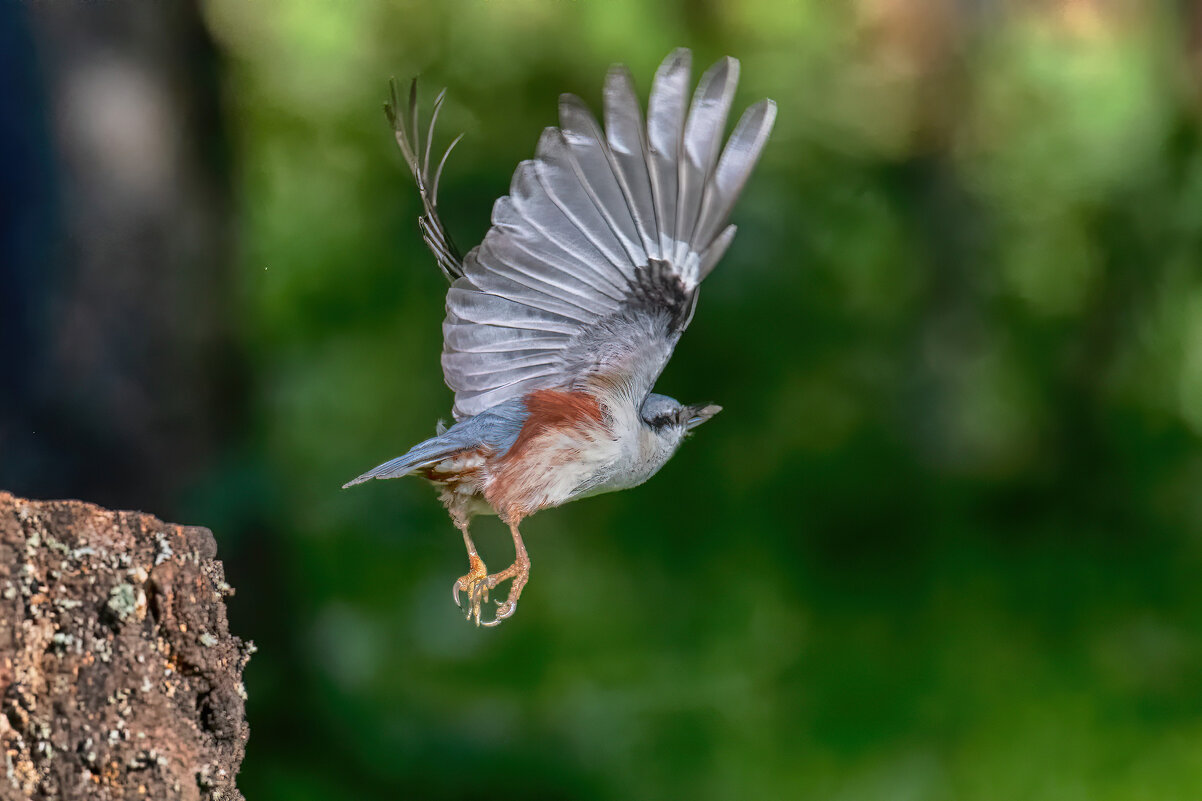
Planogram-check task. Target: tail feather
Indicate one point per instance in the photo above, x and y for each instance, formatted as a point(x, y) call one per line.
point(417, 156)
point(424, 454)
point(494, 430)
point(395, 468)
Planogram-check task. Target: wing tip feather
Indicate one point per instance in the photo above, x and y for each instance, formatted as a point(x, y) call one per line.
point(663, 139)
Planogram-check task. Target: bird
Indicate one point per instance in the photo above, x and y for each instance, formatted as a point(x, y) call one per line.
point(559, 323)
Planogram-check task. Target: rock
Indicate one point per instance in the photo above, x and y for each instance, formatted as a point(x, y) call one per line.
point(119, 678)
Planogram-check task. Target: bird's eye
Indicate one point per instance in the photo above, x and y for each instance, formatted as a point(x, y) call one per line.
point(661, 420)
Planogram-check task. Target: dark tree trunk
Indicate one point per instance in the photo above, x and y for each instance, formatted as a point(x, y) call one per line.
point(117, 302)
point(119, 678)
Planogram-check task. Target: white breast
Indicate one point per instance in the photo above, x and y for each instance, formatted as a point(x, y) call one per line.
point(637, 453)
point(561, 465)
point(573, 461)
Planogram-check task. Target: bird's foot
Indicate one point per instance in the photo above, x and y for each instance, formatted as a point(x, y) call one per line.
point(476, 585)
point(519, 573)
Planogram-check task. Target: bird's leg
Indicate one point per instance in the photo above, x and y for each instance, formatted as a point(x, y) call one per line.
point(475, 582)
point(519, 572)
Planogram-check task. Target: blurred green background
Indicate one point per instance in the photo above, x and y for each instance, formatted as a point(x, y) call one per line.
point(945, 540)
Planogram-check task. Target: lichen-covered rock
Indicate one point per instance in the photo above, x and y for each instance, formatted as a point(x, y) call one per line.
point(119, 678)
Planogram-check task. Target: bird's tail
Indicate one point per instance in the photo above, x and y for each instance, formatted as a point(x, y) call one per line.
point(421, 455)
point(492, 432)
point(417, 156)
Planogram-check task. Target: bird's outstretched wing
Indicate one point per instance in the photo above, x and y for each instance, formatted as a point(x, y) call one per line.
point(417, 156)
point(590, 271)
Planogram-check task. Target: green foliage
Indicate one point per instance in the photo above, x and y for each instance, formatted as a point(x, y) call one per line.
point(944, 542)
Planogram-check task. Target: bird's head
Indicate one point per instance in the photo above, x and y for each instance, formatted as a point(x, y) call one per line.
point(670, 419)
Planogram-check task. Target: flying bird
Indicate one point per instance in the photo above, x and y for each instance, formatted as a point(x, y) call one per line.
point(559, 323)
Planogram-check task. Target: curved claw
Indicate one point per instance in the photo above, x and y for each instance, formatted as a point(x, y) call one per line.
point(475, 586)
point(478, 583)
point(504, 612)
point(479, 597)
point(477, 594)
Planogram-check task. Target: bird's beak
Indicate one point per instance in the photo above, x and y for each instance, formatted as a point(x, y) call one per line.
point(693, 416)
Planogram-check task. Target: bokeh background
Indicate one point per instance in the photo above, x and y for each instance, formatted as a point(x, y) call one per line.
point(945, 541)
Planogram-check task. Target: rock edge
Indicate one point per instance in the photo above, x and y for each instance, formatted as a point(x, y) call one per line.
point(119, 678)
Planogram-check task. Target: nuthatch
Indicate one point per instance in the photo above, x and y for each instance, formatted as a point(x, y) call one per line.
point(560, 322)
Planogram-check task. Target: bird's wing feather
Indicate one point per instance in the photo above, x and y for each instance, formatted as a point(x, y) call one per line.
point(590, 271)
point(417, 156)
